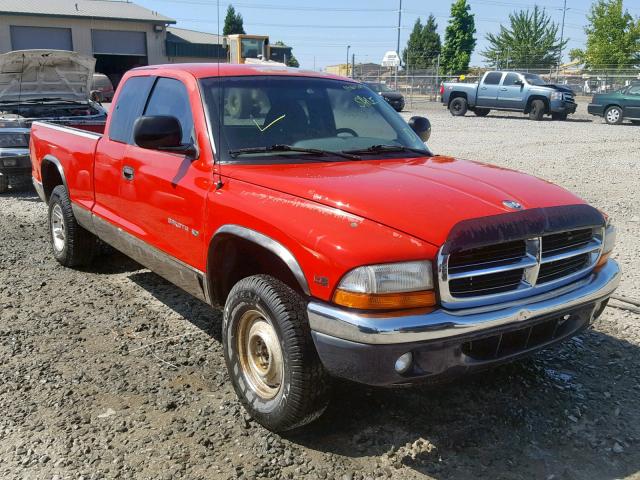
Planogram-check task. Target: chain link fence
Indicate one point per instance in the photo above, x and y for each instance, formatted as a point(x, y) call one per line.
point(421, 86)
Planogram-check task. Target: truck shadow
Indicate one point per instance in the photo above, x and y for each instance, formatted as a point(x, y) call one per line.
point(24, 194)
point(571, 411)
point(196, 312)
point(546, 119)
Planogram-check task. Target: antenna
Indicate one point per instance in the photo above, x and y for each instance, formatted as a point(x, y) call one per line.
point(219, 183)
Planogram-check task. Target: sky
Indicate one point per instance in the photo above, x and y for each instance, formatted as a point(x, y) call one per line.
point(320, 30)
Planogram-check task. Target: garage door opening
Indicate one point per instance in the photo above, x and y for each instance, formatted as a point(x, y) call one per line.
point(115, 66)
point(117, 51)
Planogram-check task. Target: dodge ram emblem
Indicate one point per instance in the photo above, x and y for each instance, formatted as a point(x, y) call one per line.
point(512, 204)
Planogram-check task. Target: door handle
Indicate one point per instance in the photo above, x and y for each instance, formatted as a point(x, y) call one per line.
point(483, 88)
point(503, 89)
point(128, 173)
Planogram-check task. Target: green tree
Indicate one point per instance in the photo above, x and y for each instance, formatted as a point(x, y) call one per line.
point(233, 22)
point(530, 40)
point(423, 46)
point(613, 37)
point(459, 39)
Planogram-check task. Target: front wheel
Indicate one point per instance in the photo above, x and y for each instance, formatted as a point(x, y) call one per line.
point(458, 107)
point(270, 355)
point(559, 116)
point(537, 110)
point(613, 116)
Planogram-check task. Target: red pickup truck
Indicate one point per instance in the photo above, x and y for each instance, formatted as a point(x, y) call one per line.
point(339, 245)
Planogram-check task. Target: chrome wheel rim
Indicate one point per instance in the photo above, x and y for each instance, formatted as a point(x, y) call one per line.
point(613, 115)
point(58, 233)
point(260, 354)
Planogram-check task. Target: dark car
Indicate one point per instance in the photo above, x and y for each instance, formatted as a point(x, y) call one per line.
point(618, 105)
point(393, 98)
point(51, 85)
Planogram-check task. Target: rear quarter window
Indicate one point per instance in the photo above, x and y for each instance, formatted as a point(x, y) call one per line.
point(128, 108)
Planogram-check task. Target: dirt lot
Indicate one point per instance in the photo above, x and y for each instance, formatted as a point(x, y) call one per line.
point(113, 373)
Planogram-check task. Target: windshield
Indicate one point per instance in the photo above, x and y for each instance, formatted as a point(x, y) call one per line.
point(533, 79)
point(311, 113)
point(379, 87)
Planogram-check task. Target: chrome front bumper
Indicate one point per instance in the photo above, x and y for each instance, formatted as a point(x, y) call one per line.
point(441, 324)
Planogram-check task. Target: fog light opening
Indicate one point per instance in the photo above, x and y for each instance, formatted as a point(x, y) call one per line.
point(404, 362)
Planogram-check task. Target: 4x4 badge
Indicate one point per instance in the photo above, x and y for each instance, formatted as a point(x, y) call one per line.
point(512, 204)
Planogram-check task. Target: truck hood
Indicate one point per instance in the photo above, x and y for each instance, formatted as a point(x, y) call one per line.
point(423, 197)
point(35, 74)
point(559, 88)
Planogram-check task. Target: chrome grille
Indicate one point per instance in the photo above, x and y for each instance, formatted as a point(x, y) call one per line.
point(515, 269)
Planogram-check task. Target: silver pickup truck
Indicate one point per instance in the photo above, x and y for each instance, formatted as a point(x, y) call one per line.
point(510, 91)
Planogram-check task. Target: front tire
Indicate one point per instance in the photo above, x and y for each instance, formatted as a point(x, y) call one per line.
point(481, 112)
point(72, 245)
point(458, 107)
point(270, 355)
point(613, 115)
point(537, 110)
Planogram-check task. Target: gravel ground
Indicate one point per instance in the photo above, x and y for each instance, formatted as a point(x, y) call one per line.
point(113, 373)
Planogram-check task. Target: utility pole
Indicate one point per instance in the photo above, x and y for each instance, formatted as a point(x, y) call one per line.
point(347, 64)
point(398, 42)
point(564, 13)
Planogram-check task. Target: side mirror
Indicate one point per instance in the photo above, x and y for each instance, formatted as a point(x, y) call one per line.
point(520, 83)
point(160, 132)
point(421, 126)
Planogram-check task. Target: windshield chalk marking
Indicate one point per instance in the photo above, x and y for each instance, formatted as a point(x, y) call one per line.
point(263, 129)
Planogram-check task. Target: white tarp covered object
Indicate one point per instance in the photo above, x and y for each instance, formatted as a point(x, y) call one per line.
point(36, 74)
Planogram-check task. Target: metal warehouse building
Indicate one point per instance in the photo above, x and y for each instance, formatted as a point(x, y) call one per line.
point(119, 34)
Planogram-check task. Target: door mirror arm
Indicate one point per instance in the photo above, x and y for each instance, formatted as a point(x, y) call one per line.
point(189, 149)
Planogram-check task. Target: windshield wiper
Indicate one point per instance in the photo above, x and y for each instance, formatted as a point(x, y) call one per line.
point(390, 148)
point(288, 148)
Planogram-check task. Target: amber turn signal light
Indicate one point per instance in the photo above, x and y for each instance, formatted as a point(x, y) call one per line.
point(385, 301)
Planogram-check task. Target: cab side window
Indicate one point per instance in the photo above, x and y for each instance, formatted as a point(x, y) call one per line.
point(128, 108)
point(635, 91)
point(510, 79)
point(170, 97)
point(493, 78)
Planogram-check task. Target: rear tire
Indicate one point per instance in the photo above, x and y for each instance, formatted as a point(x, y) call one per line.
point(458, 107)
point(72, 245)
point(481, 112)
point(537, 110)
point(559, 116)
point(4, 184)
point(270, 355)
point(613, 115)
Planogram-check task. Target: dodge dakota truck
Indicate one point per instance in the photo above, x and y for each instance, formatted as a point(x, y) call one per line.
point(50, 85)
point(337, 242)
point(509, 91)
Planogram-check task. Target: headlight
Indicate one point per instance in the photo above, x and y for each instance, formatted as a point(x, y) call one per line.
point(556, 96)
point(609, 241)
point(387, 286)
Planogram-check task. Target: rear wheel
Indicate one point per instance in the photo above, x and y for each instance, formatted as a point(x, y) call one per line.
point(72, 245)
point(481, 112)
point(537, 110)
point(458, 107)
point(270, 355)
point(613, 115)
point(559, 116)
